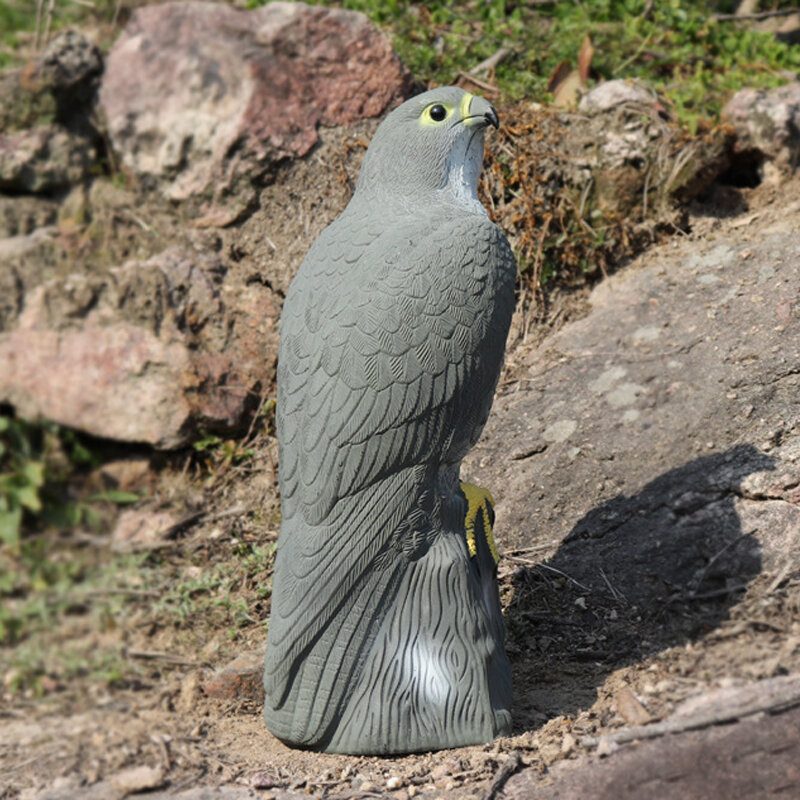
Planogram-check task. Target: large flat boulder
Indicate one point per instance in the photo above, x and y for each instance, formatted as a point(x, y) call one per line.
point(756, 757)
point(645, 462)
point(196, 93)
point(669, 411)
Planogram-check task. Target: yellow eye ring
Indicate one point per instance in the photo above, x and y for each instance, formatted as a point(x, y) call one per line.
point(436, 113)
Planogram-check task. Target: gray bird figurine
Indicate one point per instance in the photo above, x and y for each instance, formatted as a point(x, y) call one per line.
point(386, 633)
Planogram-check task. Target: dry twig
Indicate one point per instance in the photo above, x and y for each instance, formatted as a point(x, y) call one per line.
point(511, 765)
point(487, 87)
point(168, 658)
point(490, 63)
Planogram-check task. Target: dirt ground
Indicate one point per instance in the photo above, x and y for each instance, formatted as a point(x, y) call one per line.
point(107, 694)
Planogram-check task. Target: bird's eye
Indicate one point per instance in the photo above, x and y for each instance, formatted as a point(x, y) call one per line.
point(438, 112)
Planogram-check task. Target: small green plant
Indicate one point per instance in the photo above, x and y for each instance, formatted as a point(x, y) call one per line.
point(222, 452)
point(36, 461)
point(21, 480)
point(41, 466)
point(229, 593)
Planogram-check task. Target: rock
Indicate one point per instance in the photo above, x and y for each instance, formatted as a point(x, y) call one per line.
point(47, 141)
point(621, 165)
point(198, 94)
point(743, 700)
point(150, 352)
point(137, 779)
point(189, 694)
point(127, 474)
point(630, 708)
point(767, 121)
point(59, 86)
point(756, 757)
point(139, 529)
point(241, 679)
point(703, 454)
point(43, 159)
point(609, 95)
point(69, 68)
point(20, 215)
point(12, 290)
point(637, 155)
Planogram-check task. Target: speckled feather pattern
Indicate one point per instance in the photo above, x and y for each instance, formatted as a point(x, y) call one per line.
point(384, 636)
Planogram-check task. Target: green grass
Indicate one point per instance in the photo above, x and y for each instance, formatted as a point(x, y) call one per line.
point(227, 594)
point(18, 23)
point(31, 668)
point(42, 466)
point(678, 48)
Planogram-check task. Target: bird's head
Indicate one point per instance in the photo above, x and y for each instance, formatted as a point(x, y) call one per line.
point(431, 143)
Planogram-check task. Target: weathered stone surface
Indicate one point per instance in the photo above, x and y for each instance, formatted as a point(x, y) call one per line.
point(609, 95)
point(768, 121)
point(241, 679)
point(150, 352)
point(635, 156)
point(679, 393)
point(59, 86)
point(647, 457)
point(43, 159)
point(757, 757)
point(677, 402)
point(195, 91)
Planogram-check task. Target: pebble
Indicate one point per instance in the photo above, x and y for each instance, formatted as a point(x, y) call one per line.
point(138, 779)
point(605, 747)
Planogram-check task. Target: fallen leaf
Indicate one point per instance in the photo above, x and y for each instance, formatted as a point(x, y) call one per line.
point(568, 91)
point(585, 56)
point(137, 779)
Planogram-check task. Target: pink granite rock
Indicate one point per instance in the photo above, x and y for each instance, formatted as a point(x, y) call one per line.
point(197, 94)
point(240, 679)
point(43, 159)
point(151, 352)
point(768, 121)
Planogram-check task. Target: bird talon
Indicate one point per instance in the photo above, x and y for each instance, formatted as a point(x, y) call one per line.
point(479, 501)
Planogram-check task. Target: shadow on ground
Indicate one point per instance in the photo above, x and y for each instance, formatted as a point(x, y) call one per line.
point(636, 575)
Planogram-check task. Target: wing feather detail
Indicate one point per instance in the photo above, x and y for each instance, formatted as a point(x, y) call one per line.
point(379, 342)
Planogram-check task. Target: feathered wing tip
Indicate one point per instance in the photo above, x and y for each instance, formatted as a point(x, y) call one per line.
point(431, 672)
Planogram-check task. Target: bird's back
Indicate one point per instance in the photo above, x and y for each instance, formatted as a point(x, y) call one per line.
point(392, 338)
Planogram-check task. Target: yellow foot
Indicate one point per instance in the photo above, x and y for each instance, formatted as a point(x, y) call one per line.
point(479, 501)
